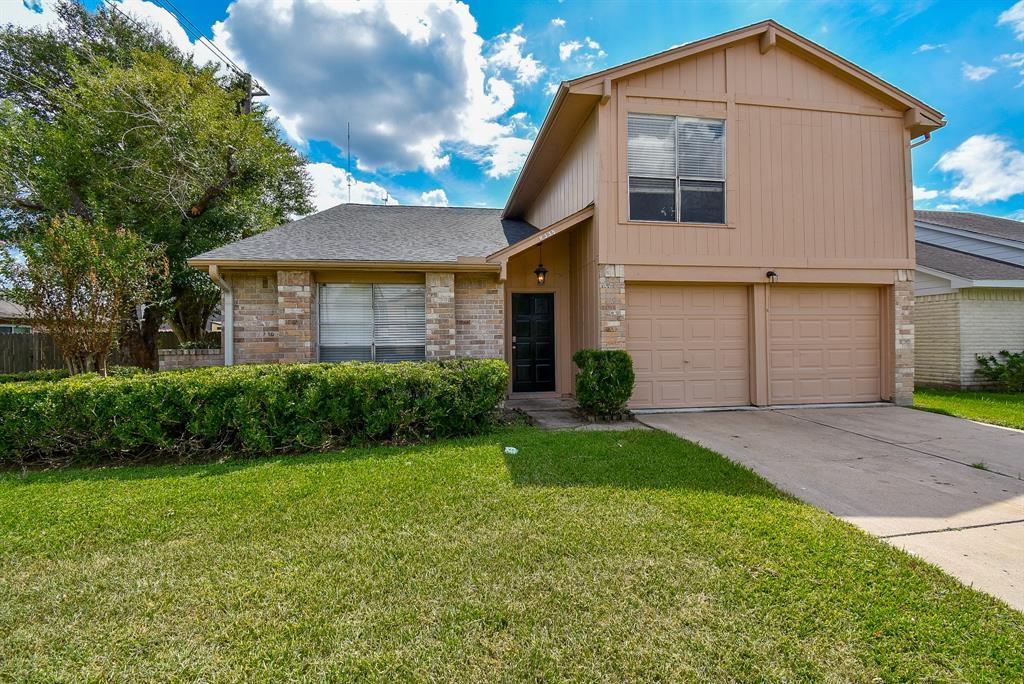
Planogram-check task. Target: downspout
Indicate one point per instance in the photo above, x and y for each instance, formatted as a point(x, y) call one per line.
point(227, 335)
point(922, 141)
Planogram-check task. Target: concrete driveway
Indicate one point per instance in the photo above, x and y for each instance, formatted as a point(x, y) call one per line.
point(948, 490)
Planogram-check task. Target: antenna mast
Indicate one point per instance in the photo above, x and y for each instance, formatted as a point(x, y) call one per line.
point(348, 144)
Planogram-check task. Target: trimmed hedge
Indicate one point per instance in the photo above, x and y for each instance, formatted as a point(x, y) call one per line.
point(605, 381)
point(56, 374)
point(245, 409)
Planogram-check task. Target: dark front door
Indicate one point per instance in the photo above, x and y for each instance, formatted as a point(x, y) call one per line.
point(533, 342)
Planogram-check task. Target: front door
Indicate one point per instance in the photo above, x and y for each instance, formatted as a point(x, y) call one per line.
point(533, 342)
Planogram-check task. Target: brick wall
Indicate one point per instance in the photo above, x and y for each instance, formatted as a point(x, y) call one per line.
point(990, 320)
point(295, 317)
point(937, 340)
point(479, 316)
point(179, 359)
point(611, 305)
point(256, 316)
point(440, 318)
point(903, 357)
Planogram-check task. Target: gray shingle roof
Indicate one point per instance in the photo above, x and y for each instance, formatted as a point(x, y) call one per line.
point(993, 226)
point(364, 232)
point(966, 265)
point(11, 310)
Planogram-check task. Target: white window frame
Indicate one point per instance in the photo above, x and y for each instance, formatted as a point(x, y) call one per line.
point(724, 180)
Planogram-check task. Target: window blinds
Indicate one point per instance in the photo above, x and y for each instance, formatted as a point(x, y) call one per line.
point(372, 322)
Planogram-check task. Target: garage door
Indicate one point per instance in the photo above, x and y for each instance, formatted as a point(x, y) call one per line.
point(823, 344)
point(689, 345)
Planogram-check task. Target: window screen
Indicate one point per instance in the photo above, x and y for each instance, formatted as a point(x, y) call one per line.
point(676, 168)
point(378, 322)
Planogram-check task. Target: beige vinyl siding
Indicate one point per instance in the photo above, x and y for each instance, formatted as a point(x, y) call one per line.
point(583, 276)
point(817, 168)
point(573, 183)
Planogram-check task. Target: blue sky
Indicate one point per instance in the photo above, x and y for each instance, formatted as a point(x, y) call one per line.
point(444, 98)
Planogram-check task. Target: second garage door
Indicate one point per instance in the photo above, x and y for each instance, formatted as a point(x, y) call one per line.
point(823, 344)
point(689, 345)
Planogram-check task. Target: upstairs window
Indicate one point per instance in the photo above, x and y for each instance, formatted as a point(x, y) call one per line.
point(676, 168)
point(378, 322)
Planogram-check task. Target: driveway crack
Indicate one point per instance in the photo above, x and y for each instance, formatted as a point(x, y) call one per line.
point(950, 529)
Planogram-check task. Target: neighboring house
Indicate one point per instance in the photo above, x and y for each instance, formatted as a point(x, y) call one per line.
point(13, 318)
point(735, 212)
point(970, 294)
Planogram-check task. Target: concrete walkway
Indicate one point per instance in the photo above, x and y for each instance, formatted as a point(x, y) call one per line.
point(946, 489)
point(557, 413)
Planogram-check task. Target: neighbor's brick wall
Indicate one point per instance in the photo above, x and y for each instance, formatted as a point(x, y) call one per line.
point(440, 319)
point(937, 340)
point(295, 317)
point(990, 320)
point(180, 359)
point(903, 358)
point(611, 305)
point(479, 316)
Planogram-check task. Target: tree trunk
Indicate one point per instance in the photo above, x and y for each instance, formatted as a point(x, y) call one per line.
point(139, 342)
point(191, 311)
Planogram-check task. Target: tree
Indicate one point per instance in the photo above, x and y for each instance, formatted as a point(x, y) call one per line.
point(116, 122)
point(80, 281)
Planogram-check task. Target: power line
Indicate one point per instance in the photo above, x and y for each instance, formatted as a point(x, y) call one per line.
point(200, 36)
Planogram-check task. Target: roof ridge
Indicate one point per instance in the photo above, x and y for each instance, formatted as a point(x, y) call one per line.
point(970, 254)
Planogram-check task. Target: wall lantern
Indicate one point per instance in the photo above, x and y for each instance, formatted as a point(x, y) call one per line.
point(772, 276)
point(540, 271)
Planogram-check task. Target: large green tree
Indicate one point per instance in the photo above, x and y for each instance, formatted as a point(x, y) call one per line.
point(101, 116)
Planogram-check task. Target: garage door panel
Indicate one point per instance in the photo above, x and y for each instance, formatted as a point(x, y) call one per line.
point(823, 344)
point(689, 345)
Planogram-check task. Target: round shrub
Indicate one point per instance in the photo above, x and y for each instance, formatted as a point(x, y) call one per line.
point(605, 381)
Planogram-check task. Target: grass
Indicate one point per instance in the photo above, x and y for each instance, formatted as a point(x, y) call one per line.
point(586, 556)
point(998, 408)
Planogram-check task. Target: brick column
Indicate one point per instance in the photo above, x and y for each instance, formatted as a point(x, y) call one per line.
point(479, 316)
point(295, 317)
point(903, 356)
point(440, 305)
point(611, 298)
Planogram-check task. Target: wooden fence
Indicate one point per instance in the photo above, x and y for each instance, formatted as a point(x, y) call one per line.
point(36, 351)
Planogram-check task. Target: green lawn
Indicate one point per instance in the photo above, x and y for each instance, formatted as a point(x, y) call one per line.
point(998, 408)
point(586, 556)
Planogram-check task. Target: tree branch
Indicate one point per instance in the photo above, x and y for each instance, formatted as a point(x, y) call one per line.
point(215, 190)
point(31, 206)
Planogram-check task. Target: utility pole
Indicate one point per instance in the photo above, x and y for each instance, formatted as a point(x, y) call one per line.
point(348, 146)
point(252, 89)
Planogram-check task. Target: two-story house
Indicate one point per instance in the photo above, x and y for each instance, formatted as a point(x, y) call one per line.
point(735, 212)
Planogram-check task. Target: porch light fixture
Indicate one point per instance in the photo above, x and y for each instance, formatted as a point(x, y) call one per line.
point(772, 276)
point(540, 271)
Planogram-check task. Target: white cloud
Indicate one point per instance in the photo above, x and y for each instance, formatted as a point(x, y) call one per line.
point(568, 47)
point(988, 166)
point(948, 207)
point(928, 47)
point(1014, 18)
point(330, 187)
point(508, 156)
point(551, 88)
point(976, 73)
point(508, 54)
point(415, 79)
point(1014, 60)
point(558, 21)
point(434, 198)
point(924, 193)
point(584, 52)
point(28, 14)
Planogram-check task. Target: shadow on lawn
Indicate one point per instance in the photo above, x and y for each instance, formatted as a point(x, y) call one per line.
point(667, 463)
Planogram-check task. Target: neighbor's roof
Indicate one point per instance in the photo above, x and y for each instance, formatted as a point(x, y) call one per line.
point(12, 310)
point(365, 232)
point(992, 226)
point(966, 265)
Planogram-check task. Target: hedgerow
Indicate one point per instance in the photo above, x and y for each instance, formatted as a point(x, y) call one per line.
point(55, 374)
point(247, 410)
